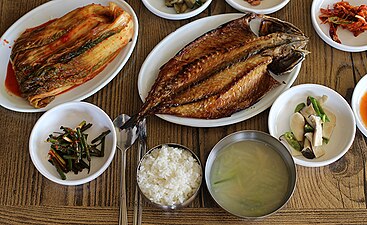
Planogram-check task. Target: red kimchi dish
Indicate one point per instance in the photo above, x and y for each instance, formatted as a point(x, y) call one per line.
point(66, 52)
point(352, 18)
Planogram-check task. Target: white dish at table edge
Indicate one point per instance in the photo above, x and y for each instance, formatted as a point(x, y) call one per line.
point(265, 7)
point(349, 42)
point(359, 91)
point(158, 8)
point(40, 15)
point(343, 134)
point(170, 45)
point(70, 115)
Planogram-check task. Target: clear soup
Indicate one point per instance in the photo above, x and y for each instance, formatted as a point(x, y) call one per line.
point(249, 179)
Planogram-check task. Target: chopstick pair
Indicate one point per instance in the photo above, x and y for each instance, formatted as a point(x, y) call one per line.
point(142, 148)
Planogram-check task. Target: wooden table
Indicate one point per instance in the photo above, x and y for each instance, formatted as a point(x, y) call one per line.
point(334, 194)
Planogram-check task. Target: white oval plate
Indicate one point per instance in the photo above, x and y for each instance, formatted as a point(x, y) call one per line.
point(71, 114)
point(359, 91)
point(170, 45)
point(265, 7)
point(343, 134)
point(158, 8)
point(349, 42)
point(40, 15)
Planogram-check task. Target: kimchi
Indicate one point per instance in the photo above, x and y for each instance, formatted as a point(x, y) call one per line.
point(352, 18)
point(63, 53)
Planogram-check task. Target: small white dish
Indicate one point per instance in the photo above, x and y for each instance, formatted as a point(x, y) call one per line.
point(359, 91)
point(344, 131)
point(349, 42)
point(41, 14)
point(265, 7)
point(159, 8)
point(70, 115)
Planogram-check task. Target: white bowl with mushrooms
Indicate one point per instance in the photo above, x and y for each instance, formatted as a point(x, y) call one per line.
point(314, 122)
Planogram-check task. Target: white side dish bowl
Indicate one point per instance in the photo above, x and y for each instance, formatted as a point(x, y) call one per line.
point(265, 7)
point(159, 8)
point(349, 42)
point(344, 131)
point(359, 91)
point(70, 115)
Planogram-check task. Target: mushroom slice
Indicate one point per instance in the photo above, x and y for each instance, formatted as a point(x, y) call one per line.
point(328, 127)
point(317, 135)
point(322, 99)
point(297, 124)
point(306, 112)
point(307, 149)
point(317, 150)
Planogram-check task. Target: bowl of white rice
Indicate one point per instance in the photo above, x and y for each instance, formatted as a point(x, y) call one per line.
point(169, 176)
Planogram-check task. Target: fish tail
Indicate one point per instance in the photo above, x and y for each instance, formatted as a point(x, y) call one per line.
point(131, 122)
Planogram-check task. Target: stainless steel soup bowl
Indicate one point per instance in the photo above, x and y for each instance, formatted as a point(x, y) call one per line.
point(254, 136)
point(187, 201)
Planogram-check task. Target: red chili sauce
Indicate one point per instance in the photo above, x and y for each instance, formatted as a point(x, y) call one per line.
point(11, 83)
point(363, 109)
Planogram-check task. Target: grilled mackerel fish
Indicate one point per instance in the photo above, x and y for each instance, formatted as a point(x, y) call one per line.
point(68, 51)
point(225, 70)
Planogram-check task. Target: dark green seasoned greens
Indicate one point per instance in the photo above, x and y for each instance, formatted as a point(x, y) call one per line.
point(69, 149)
point(182, 6)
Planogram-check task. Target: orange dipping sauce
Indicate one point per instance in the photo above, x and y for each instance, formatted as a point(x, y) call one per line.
point(363, 109)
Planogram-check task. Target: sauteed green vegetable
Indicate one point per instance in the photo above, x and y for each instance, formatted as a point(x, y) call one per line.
point(70, 150)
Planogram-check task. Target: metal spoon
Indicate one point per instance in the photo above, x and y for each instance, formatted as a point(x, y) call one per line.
point(125, 139)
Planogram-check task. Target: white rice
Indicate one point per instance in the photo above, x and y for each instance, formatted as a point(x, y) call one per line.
point(169, 176)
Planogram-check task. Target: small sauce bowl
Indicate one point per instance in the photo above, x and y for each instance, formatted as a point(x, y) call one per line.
point(162, 180)
point(359, 91)
point(250, 174)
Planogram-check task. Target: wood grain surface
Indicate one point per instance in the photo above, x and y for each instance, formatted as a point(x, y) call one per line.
point(334, 194)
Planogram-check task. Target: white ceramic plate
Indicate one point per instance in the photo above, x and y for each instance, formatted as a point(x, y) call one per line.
point(343, 134)
point(169, 46)
point(265, 7)
point(158, 8)
point(359, 91)
point(70, 115)
point(349, 42)
point(40, 15)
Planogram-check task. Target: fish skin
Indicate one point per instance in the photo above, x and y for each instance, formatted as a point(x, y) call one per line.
point(207, 65)
point(233, 32)
point(226, 35)
point(176, 77)
point(215, 84)
point(222, 80)
point(242, 94)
